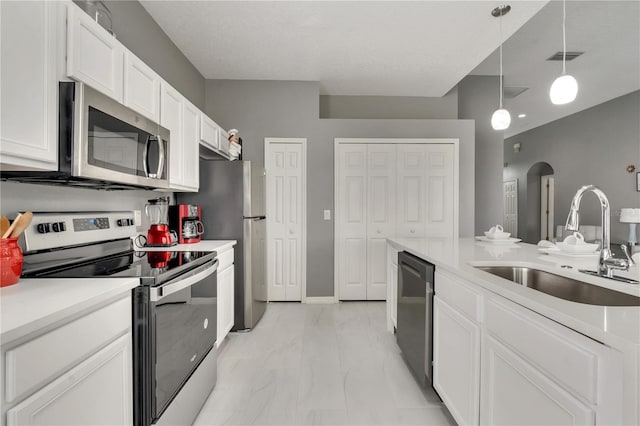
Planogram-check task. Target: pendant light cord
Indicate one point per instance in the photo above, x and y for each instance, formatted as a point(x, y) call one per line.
point(501, 57)
point(564, 37)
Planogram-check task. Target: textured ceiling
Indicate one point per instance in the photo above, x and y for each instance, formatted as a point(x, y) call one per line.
point(394, 48)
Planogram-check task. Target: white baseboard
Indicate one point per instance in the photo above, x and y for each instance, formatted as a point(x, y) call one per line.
point(320, 300)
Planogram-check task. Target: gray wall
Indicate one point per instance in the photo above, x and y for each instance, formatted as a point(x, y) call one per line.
point(385, 107)
point(477, 100)
point(593, 146)
point(261, 109)
point(137, 30)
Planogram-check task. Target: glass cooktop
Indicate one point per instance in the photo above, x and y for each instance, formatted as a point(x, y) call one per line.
point(152, 267)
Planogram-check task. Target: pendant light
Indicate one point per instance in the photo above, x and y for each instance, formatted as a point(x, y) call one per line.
point(564, 88)
point(501, 118)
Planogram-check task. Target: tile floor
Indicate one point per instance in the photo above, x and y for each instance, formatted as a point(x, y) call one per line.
point(318, 365)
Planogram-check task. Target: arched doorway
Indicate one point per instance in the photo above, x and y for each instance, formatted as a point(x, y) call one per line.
point(539, 210)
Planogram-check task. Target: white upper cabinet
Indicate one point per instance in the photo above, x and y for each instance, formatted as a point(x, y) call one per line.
point(209, 132)
point(94, 56)
point(141, 87)
point(190, 142)
point(183, 121)
point(32, 43)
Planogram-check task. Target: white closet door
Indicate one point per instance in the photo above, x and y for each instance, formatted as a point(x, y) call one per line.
point(381, 215)
point(284, 213)
point(411, 190)
point(439, 187)
point(352, 221)
point(510, 218)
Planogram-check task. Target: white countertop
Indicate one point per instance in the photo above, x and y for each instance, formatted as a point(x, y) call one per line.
point(35, 303)
point(204, 245)
point(608, 324)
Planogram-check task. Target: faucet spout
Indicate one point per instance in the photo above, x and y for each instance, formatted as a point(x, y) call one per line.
point(606, 264)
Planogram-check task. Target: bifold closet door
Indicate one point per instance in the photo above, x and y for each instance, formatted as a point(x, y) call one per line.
point(439, 190)
point(381, 215)
point(351, 220)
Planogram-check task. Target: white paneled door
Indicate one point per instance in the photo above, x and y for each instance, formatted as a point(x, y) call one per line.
point(351, 219)
point(381, 215)
point(510, 220)
point(388, 188)
point(285, 164)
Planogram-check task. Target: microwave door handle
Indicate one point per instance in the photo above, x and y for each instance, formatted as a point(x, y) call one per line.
point(161, 148)
point(182, 282)
point(145, 159)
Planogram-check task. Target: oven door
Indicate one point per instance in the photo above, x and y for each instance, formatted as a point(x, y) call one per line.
point(175, 328)
point(114, 143)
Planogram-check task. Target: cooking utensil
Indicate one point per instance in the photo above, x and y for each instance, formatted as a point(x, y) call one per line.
point(4, 225)
point(8, 232)
point(23, 222)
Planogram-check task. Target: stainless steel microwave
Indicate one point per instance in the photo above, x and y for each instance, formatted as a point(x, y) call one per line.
point(104, 144)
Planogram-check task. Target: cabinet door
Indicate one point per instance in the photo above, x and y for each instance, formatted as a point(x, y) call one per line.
point(29, 84)
point(381, 215)
point(439, 188)
point(456, 362)
point(225, 303)
point(141, 87)
point(514, 392)
point(171, 117)
point(99, 391)
point(190, 143)
point(94, 56)
point(352, 221)
point(209, 132)
point(411, 190)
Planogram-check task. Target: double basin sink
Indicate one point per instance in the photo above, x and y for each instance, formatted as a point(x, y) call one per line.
point(562, 287)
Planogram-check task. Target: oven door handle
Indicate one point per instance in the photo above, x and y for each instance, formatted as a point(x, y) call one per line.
point(183, 281)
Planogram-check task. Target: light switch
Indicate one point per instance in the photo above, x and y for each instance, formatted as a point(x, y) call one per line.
point(137, 218)
point(327, 215)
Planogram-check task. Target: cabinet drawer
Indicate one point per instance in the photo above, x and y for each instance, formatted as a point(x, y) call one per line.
point(226, 259)
point(36, 362)
point(567, 357)
point(458, 295)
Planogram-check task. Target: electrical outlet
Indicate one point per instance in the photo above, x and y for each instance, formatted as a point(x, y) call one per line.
point(137, 218)
point(327, 215)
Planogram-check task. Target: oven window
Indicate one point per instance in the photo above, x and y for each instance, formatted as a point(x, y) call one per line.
point(185, 331)
point(119, 146)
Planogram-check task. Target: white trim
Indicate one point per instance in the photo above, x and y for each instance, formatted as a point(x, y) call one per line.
point(303, 142)
point(336, 205)
point(320, 300)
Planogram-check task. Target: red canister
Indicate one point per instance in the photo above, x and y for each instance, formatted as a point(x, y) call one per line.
point(10, 261)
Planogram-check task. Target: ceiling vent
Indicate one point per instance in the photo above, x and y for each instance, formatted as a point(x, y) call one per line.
point(511, 92)
point(570, 56)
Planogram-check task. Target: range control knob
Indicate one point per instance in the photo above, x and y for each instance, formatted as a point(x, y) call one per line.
point(58, 227)
point(43, 228)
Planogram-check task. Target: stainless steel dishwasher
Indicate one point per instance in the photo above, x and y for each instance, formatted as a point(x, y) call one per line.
point(414, 331)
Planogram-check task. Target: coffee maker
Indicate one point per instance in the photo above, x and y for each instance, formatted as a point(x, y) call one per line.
point(159, 234)
point(184, 219)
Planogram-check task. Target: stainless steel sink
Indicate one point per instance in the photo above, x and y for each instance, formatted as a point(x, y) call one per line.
point(562, 287)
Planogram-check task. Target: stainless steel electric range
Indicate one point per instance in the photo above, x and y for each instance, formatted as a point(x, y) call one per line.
point(174, 308)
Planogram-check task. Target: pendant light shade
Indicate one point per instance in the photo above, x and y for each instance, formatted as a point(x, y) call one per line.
point(501, 119)
point(564, 89)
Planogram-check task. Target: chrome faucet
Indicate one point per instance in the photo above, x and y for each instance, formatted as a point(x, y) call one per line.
point(607, 263)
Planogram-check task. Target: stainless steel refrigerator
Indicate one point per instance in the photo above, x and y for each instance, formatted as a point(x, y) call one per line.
point(232, 197)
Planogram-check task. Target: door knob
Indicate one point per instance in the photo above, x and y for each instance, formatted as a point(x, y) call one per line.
point(379, 231)
point(413, 231)
point(291, 231)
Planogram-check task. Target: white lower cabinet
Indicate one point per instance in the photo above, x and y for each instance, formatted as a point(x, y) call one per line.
point(392, 288)
point(79, 373)
point(498, 363)
point(96, 392)
point(226, 278)
point(456, 360)
point(515, 392)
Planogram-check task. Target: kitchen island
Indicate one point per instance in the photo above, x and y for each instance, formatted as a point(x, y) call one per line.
point(502, 350)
